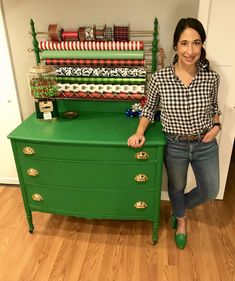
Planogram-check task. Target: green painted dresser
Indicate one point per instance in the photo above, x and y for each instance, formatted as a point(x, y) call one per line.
point(83, 167)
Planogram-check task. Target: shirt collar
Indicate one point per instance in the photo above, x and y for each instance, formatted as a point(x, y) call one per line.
point(200, 66)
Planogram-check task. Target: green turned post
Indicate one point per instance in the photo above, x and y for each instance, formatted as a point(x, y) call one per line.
point(155, 46)
point(35, 42)
point(155, 233)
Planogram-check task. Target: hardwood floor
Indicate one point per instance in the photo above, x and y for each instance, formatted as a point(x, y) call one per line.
point(69, 249)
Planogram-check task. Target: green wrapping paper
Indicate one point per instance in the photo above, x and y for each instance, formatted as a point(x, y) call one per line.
point(101, 80)
point(133, 55)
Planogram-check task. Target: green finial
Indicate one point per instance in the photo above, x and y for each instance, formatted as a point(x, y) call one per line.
point(155, 46)
point(35, 42)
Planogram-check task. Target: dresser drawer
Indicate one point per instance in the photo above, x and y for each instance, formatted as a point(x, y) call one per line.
point(94, 204)
point(93, 175)
point(85, 153)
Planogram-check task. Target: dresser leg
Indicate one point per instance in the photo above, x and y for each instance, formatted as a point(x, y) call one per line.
point(30, 222)
point(155, 233)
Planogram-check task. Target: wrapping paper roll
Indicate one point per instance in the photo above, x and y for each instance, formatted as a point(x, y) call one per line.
point(101, 80)
point(134, 55)
point(100, 71)
point(91, 45)
point(101, 88)
point(95, 62)
point(102, 96)
point(66, 35)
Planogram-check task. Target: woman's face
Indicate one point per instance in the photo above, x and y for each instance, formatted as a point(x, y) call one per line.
point(189, 47)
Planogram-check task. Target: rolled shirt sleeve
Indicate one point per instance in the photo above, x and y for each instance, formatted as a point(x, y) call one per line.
point(214, 97)
point(151, 105)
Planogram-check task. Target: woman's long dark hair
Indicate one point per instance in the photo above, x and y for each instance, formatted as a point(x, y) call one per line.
point(196, 25)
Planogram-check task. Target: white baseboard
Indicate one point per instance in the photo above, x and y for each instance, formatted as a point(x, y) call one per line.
point(9, 180)
point(164, 195)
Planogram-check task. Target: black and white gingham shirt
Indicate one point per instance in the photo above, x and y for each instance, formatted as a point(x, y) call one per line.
point(185, 110)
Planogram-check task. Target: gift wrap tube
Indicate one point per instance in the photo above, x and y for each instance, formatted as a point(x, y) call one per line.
point(135, 55)
point(102, 96)
point(95, 62)
point(101, 80)
point(100, 88)
point(100, 71)
point(90, 45)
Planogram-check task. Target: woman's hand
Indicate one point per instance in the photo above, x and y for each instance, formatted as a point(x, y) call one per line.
point(136, 140)
point(210, 135)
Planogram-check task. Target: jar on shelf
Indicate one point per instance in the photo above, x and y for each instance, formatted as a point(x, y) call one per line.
point(42, 82)
point(43, 87)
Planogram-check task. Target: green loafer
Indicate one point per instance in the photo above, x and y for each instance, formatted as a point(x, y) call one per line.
point(181, 240)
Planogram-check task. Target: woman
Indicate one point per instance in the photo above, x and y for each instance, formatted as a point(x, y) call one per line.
point(187, 92)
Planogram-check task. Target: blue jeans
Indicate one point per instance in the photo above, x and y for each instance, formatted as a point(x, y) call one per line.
point(204, 160)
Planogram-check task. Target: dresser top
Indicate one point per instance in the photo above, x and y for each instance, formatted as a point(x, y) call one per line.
point(100, 128)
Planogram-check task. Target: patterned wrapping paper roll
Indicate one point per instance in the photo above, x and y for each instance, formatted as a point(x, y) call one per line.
point(121, 33)
point(66, 35)
point(69, 62)
point(102, 96)
point(91, 45)
point(101, 80)
point(100, 71)
point(132, 55)
point(100, 88)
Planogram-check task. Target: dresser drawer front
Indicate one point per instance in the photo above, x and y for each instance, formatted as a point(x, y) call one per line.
point(89, 175)
point(96, 204)
point(84, 153)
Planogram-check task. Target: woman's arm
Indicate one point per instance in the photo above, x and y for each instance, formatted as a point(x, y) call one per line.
point(138, 139)
point(210, 135)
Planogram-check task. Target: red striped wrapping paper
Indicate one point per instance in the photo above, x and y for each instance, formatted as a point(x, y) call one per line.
point(95, 62)
point(92, 45)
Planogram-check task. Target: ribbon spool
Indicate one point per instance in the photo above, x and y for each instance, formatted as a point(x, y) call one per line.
point(81, 33)
point(70, 35)
point(90, 33)
point(54, 32)
point(100, 33)
point(108, 34)
point(121, 33)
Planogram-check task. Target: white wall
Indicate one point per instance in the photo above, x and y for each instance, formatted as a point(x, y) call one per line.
point(218, 18)
point(9, 109)
point(74, 13)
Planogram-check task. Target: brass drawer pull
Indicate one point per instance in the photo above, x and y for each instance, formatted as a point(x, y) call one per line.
point(142, 155)
point(140, 205)
point(32, 172)
point(141, 178)
point(37, 197)
point(28, 150)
